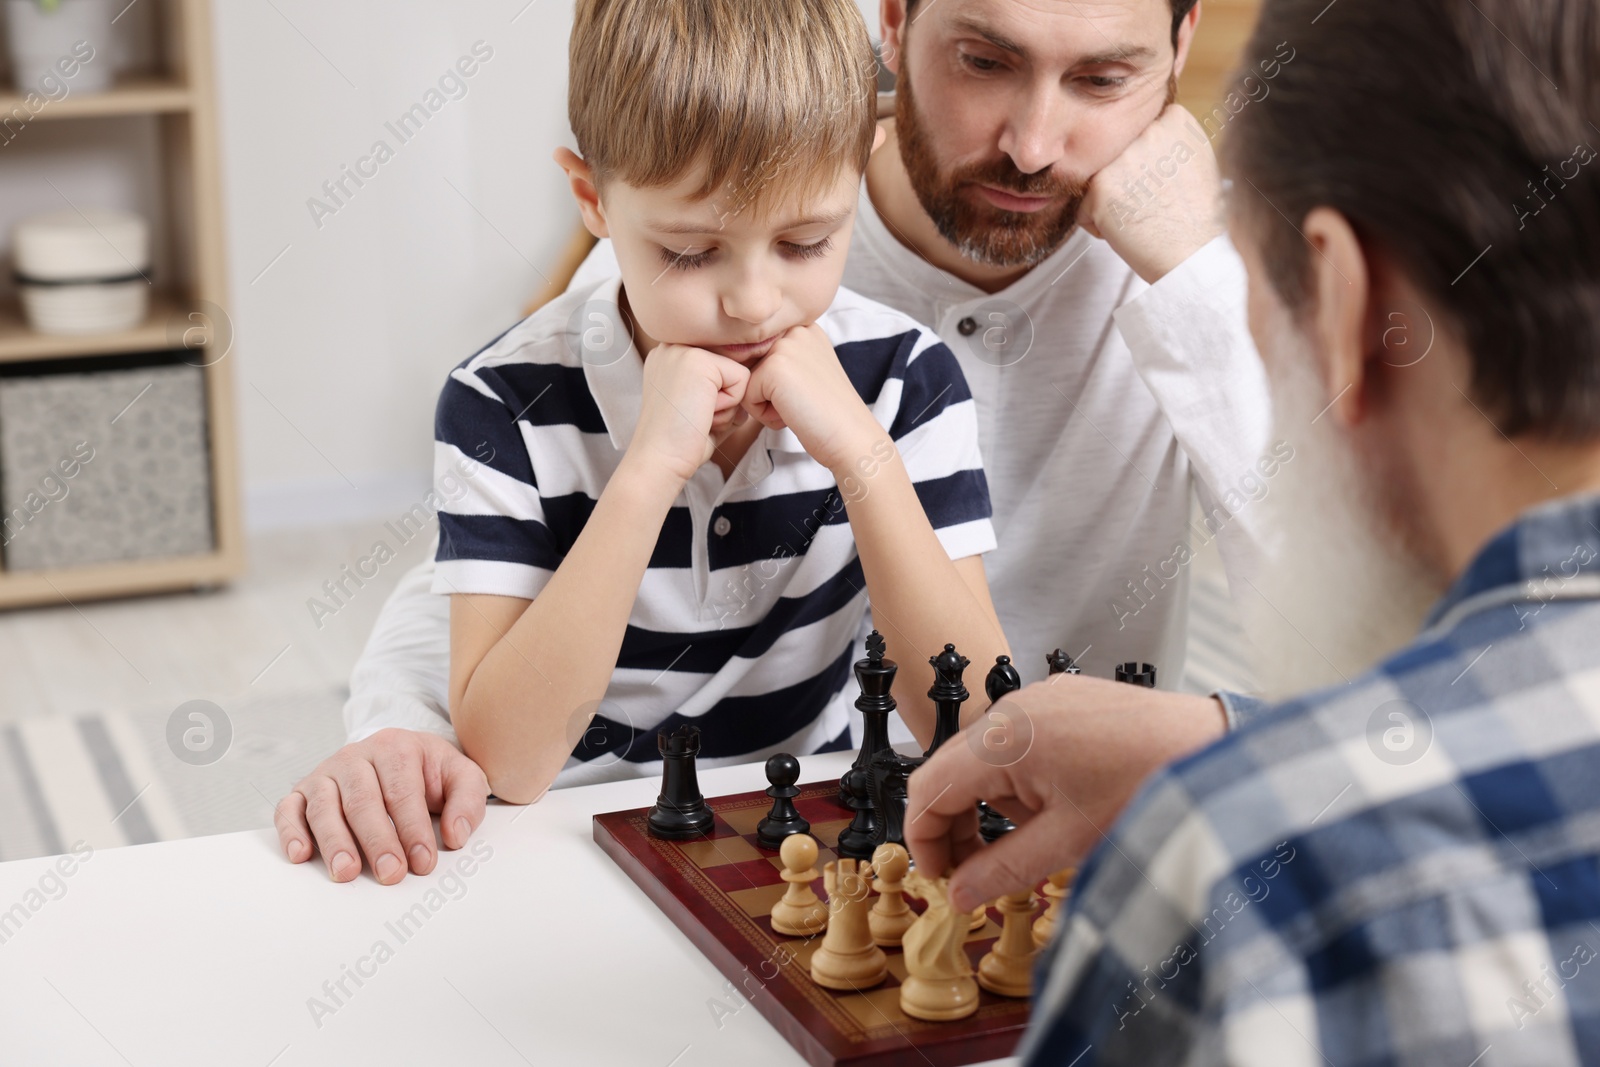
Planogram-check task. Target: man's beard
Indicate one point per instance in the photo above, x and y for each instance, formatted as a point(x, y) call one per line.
point(979, 230)
point(1340, 588)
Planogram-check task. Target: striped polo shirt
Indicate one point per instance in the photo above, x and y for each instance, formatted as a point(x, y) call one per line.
point(748, 615)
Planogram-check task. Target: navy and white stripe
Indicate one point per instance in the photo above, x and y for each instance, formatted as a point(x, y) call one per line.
point(749, 632)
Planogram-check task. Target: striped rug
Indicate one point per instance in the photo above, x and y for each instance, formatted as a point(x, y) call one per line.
point(109, 779)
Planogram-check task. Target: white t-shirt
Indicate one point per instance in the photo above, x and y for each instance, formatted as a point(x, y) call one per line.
point(1103, 403)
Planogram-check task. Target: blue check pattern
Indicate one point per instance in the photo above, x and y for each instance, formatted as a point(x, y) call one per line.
point(1402, 870)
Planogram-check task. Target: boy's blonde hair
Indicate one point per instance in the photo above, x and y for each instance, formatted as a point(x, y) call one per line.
point(772, 97)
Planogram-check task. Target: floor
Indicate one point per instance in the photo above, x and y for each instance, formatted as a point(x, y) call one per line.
point(254, 637)
point(91, 738)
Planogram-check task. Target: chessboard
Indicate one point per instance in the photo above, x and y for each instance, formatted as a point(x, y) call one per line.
point(719, 890)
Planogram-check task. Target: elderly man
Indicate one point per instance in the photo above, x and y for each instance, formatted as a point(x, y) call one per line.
point(1042, 203)
point(1404, 867)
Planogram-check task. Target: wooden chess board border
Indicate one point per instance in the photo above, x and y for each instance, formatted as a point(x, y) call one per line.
point(809, 1017)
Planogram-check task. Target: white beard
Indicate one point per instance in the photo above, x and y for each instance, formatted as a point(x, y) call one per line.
point(1338, 591)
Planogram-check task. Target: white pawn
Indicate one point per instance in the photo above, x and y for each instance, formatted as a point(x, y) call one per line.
point(1055, 891)
point(891, 917)
point(799, 913)
point(1007, 969)
point(847, 958)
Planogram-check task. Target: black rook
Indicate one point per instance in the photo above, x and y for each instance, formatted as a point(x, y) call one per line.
point(680, 812)
point(1141, 674)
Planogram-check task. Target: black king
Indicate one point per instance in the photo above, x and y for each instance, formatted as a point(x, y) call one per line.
point(875, 676)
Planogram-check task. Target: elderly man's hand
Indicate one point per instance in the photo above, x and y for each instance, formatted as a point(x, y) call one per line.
point(1061, 758)
point(1159, 202)
point(381, 791)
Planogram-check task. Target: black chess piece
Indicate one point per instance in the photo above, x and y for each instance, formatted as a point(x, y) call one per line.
point(1002, 681)
point(947, 694)
point(875, 677)
point(680, 812)
point(857, 840)
point(1003, 678)
point(889, 773)
point(1141, 674)
point(783, 770)
point(1059, 662)
point(991, 824)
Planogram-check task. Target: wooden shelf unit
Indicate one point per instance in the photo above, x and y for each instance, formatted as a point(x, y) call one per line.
point(19, 344)
point(183, 100)
point(141, 95)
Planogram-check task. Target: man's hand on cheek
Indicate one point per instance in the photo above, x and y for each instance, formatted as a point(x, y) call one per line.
point(801, 385)
point(1159, 202)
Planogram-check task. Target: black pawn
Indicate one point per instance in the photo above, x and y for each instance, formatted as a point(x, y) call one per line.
point(680, 812)
point(947, 694)
point(991, 824)
point(1140, 674)
point(783, 770)
point(889, 773)
point(1060, 663)
point(857, 840)
point(875, 677)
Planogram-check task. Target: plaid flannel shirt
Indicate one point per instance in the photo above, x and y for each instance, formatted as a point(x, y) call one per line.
point(1402, 870)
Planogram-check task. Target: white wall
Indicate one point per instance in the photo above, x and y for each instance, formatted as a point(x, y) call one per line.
point(343, 342)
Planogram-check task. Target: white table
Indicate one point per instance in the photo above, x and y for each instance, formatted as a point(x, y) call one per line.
point(211, 950)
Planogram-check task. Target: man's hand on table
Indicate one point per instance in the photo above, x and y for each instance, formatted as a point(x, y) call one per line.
point(381, 792)
point(1159, 202)
point(1061, 758)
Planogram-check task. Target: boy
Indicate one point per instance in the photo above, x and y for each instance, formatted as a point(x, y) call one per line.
point(694, 475)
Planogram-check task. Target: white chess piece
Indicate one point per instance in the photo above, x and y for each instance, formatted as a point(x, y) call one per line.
point(891, 917)
point(1007, 968)
point(847, 958)
point(1055, 891)
point(939, 985)
point(799, 913)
